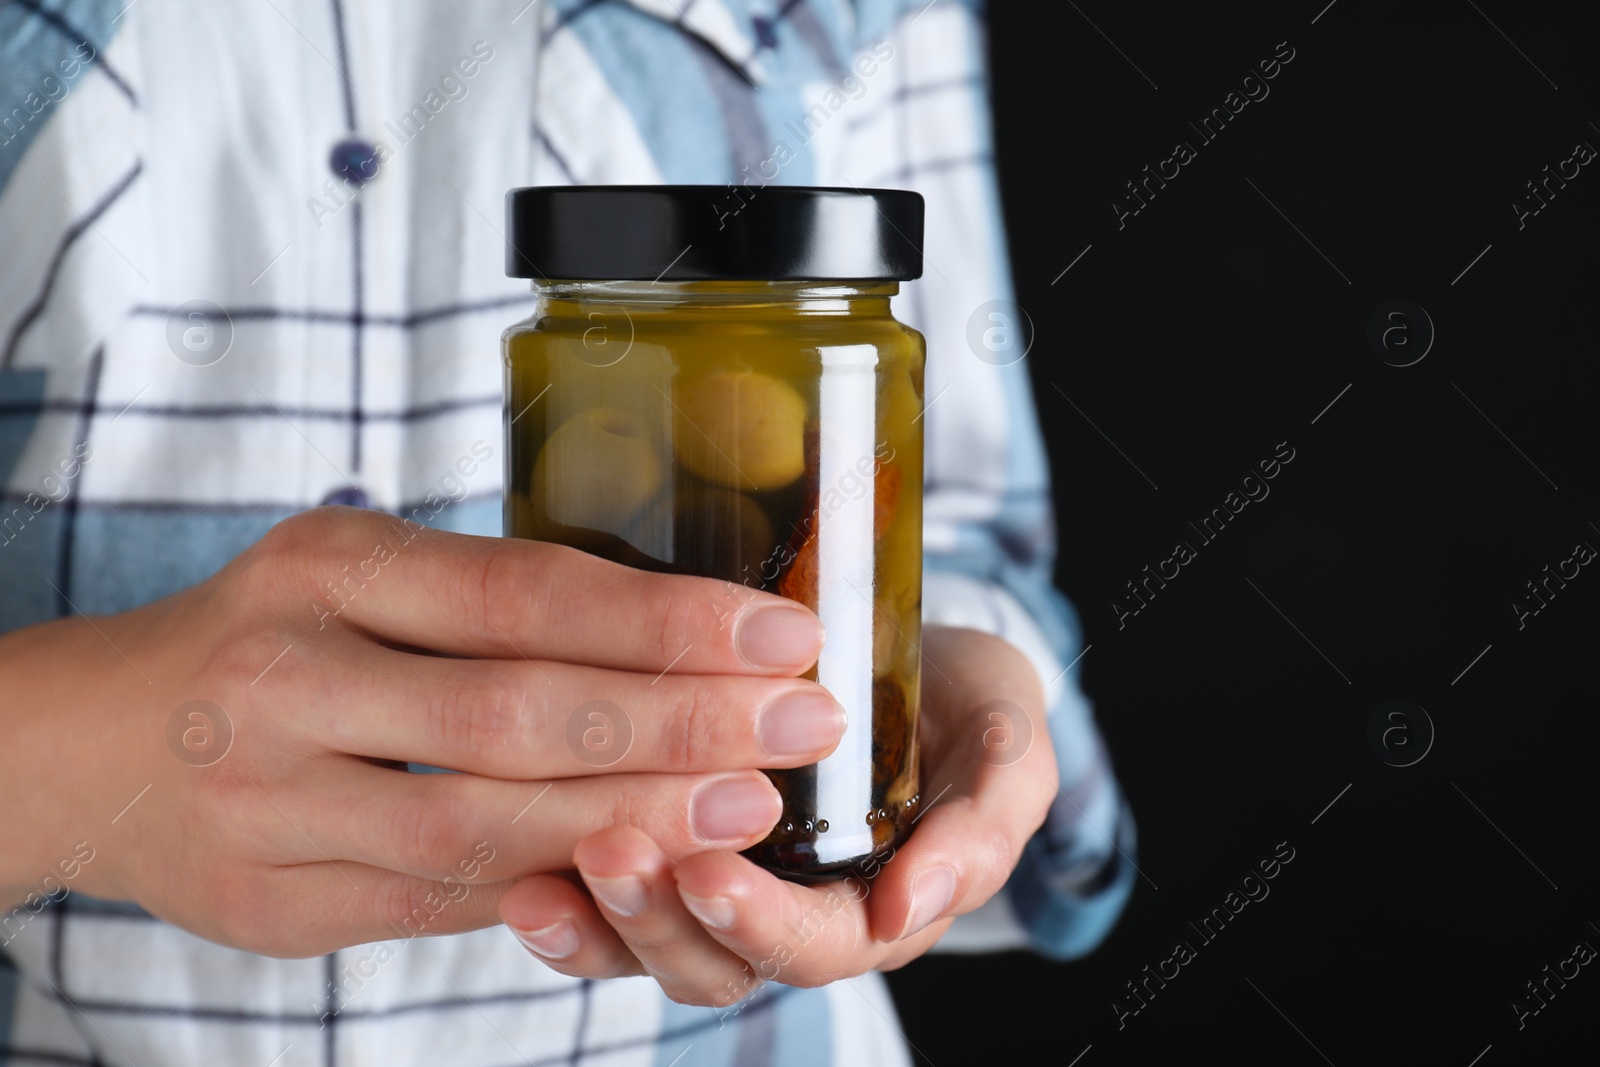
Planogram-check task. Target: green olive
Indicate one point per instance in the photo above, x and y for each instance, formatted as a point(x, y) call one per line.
point(741, 430)
point(598, 470)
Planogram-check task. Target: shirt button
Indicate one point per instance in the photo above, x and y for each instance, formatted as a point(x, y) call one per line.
point(349, 498)
point(766, 31)
point(355, 162)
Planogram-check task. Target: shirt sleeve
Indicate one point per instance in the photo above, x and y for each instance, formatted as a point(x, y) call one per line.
point(69, 161)
point(74, 258)
point(989, 534)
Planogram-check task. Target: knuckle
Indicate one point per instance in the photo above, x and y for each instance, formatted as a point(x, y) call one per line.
point(682, 617)
point(289, 537)
point(239, 652)
point(512, 581)
point(696, 729)
point(289, 542)
point(502, 579)
point(227, 798)
point(659, 810)
point(289, 562)
point(626, 810)
point(408, 905)
point(427, 831)
point(485, 716)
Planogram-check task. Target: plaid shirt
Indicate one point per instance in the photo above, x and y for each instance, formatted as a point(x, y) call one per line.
point(163, 152)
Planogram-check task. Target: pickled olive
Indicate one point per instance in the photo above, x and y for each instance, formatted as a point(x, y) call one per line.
point(739, 429)
point(598, 470)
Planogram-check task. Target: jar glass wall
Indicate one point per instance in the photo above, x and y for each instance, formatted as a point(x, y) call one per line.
point(767, 434)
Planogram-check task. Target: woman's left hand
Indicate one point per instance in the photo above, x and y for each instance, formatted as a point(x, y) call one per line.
point(713, 927)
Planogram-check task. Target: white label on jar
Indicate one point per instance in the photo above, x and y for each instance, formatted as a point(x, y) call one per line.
point(847, 398)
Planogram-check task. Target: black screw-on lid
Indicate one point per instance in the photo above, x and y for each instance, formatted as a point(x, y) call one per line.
point(713, 233)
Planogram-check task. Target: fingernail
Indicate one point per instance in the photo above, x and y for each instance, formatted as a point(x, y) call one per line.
point(931, 893)
point(799, 724)
point(555, 942)
point(732, 808)
point(778, 638)
point(715, 912)
point(624, 895)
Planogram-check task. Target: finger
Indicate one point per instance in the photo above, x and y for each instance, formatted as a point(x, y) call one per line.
point(631, 879)
point(494, 597)
point(513, 719)
point(798, 935)
point(963, 849)
point(268, 911)
point(438, 825)
point(557, 922)
point(985, 809)
point(954, 862)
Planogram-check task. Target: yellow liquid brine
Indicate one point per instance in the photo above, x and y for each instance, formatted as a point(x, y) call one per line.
point(768, 435)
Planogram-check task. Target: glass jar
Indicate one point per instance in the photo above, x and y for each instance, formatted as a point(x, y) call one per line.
point(717, 387)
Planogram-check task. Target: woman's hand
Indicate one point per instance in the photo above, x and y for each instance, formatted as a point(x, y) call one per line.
point(710, 926)
point(277, 816)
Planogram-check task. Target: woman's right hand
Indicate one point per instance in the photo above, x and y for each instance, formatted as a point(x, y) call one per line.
point(346, 643)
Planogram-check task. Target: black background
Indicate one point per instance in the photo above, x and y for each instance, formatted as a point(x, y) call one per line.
point(1196, 338)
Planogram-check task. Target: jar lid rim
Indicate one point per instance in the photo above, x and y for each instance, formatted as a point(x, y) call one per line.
point(713, 233)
